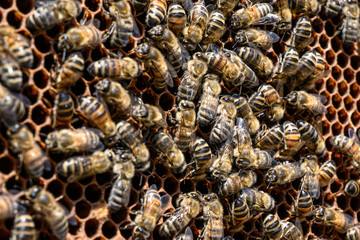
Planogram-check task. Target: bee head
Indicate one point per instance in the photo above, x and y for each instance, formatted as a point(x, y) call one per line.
point(140, 233)
point(65, 43)
point(210, 197)
point(143, 49)
point(184, 104)
point(291, 98)
point(157, 31)
point(271, 176)
point(33, 192)
point(240, 37)
point(140, 111)
point(319, 213)
point(103, 86)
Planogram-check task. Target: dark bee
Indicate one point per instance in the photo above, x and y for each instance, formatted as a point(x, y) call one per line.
point(17, 46)
point(149, 115)
point(307, 101)
point(215, 27)
point(8, 207)
point(348, 145)
point(352, 188)
point(330, 217)
point(52, 13)
point(303, 204)
point(301, 36)
point(24, 228)
point(311, 137)
point(310, 7)
point(64, 109)
point(139, 4)
point(326, 172)
point(306, 67)
point(291, 231)
point(193, 33)
point(350, 27)
point(213, 213)
point(258, 200)
point(176, 19)
point(186, 119)
point(70, 72)
point(333, 7)
point(245, 111)
point(353, 233)
point(240, 212)
point(260, 38)
point(284, 173)
point(201, 153)
point(272, 227)
point(156, 12)
point(10, 73)
point(12, 105)
point(270, 139)
point(236, 182)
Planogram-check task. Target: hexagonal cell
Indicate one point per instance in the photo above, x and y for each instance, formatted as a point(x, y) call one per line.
point(39, 114)
point(138, 181)
point(318, 25)
point(336, 44)
point(155, 179)
point(171, 185)
point(14, 19)
point(7, 165)
point(74, 191)
point(336, 100)
point(336, 128)
point(108, 229)
point(78, 88)
point(167, 101)
point(329, 28)
point(342, 60)
point(355, 62)
point(120, 215)
point(354, 90)
point(6, 4)
point(91, 227)
point(42, 44)
point(349, 75)
point(355, 203)
point(330, 57)
point(324, 41)
point(41, 79)
point(186, 186)
point(342, 116)
point(349, 103)
point(336, 72)
point(56, 188)
point(83, 209)
point(32, 93)
point(203, 187)
point(93, 193)
point(342, 88)
point(342, 201)
point(24, 6)
point(330, 85)
point(355, 117)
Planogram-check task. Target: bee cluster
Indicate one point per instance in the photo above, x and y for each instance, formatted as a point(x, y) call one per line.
point(179, 119)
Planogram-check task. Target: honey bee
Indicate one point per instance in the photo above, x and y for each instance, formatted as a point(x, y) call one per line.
point(310, 181)
point(129, 136)
point(272, 227)
point(168, 43)
point(306, 67)
point(222, 165)
point(186, 118)
point(189, 206)
point(8, 207)
point(156, 12)
point(124, 25)
point(312, 138)
point(263, 159)
point(215, 27)
point(44, 203)
point(52, 13)
point(284, 173)
point(285, 15)
point(257, 14)
point(310, 7)
point(318, 73)
point(98, 115)
point(225, 121)
point(149, 115)
point(176, 19)
point(194, 31)
point(243, 152)
point(326, 172)
point(152, 208)
point(258, 200)
point(188, 235)
point(303, 204)
point(353, 233)
point(122, 69)
point(260, 38)
point(236, 182)
point(162, 71)
point(330, 217)
point(352, 188)
point(350, 26)
point(24, 228)
point(213, 215)
point(288, 67)
point(270, 139)
point(209, 100)
point(164, 144)
point(10, 72)
point(17, 46)
point(201, 153)
point(290, 231)
point(80, 167)
point(333, 7)
point(240, 212)
point(120, 191)
point(226, 6)
point(291, 135)
point(70, 72)
point(64, 109)
point(256, 60)
point(115, 95)
point(245, 111)
point(348, 145)
point(301, 37)
point(70, 141)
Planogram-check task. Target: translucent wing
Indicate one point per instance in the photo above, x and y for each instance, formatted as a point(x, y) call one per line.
point(188, 5)
point(311, 183)
point(269, 19)
point(188, 234)
point(242, 132)
point(273, 37)
point(136, 32)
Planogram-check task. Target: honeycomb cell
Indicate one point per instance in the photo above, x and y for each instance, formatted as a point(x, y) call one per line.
point(93, 193)
point(155, 179)
point(6, 4)
point(15, 185)
point(42, 44)
point(7, 165)
point(342, 201)
point(330, 57)
point(138, 181)
point(336, 44)
point(56, 188)
point(342, 116)
point(171, 185)
point(354, 90)
point(120, 215)
point(324, 41)
point(330, 29)
point(141, 82)
point(14, 19)
point(104, 178)
point(336, 100)
point(342, 88)
point(24, 6)
point(166, 101)
point(318, 25)
point(41, 79)
point(355, 62)
point(108, 229)
point(355, 203)
point(335, 187)
point(74, 191)
point(186, 186)
point(355, 117)
point(202, 187)
point(336, 72)
point(349, 103)
point(74, 226)
point(91, 227)
point(39, 114)
point(78, 88)
point(148, 97)
point(336, 128)
point(330, 85)
point(349, 75)
point(82, 209)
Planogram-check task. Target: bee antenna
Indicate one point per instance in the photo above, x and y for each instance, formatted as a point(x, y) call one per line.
point(234, 44)
point(64, 55)
point(268, 185)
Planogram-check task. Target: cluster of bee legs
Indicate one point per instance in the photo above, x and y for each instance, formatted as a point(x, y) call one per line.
point(231, 121)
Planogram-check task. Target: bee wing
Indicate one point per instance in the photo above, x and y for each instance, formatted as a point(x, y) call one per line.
point(352, 135)
point(136, 32)
point(311, 184)
point(164, 201)
point(273, 37)
point(188, 5)
point(188, 234)
point(173, 74)
point(269, 19)
point(7, 117)
point(185, 56)
point(214, 228)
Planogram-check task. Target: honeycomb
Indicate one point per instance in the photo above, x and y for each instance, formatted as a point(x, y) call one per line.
point(86, 200)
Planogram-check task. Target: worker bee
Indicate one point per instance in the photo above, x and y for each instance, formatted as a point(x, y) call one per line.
point(290, 231)
point(257, 200)
point(162, 71)
point(8, 207)
point(194, 31)
point(226, 6)
point(213, 215)
point(164, 144)
point(243, 152)
point(239, 212)
point(310, 7)
point(222, 165)
point(272, 227)
point(236, 182)
point(17, 46)
point(215, 27)
point(149, 115)
point(303, 204)
point(306, 67)
point(122, 69)
point(10, 72)
point(188, 235)
point(257, 14)
point(312, 138)
point(70, 141)
point(98, 115)
point(353, 233)
point(270, 139)
point(156, 12)
point(80, 167)
point(326, 172)
point(285, 15)
point(348, 145)
point(350, 26)
point(189, 206)
point(333, 7)
point(352, 188)
point(284, 173)
point(124, 25)
point(152, 208)
point(256, 60)
point(70, 72)
point(291, 136)
point(120, 191)
point(209, 100)
point(186, 118)
point(129, 136)
point(168, 43)
point(260, 38)
point(24, 228)
point(43, 202)
point(225, 121)
point(301, 36)
point(176, 19)
point(115, 95)
point(318, 73)
point(64, 109)
point(330, 217)
point(201, 153)
point(52, 13)
point(259, 159)
point(245, 111)
point(310, 181)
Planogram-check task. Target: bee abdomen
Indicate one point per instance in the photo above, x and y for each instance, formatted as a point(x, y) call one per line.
point(22, 52)
point(207, 114)
point(24, 228)
point(174, 225)
point(43, 18)
point(156, 12)
point(7, 207)
point(59, 224)
point(219, 135)
point(34, 161)
point(64, 109)
point(11, 74)
point(120, 194)
point(176, 19)
point(241, 211)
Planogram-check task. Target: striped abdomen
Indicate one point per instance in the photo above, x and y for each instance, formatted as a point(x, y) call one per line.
point(24, 228)
point(302, 32)
point(221, 130)
point(71, 71)
point(156, 12)
point(173, 225)
point(7, 207)
point(307, 131)
point(271, 139)
point(218, 62)
point(19, 48)
point(304, 202)
point(199, 16)
point(291, 135)
point(43, 17)
point(352, 188)
point(64, 109)
point(350, 32)
point(240, 211)
point(258, 103)
point(160, 73)
point(270, 94)
point(121, 35)
point(14, 105)
point(333, 7)
point(183, 137)
point(214, 229)
point(106, 68)
point(250, 56)
point(11, 74)
point(208, 108)
point(215, 27)
point(346, 145)
point(260, 10)
point(57, 221)
point(152, 203)
point(201, 152)
point(120, 194)
point(176, 19)
point(34, 160)
point(272, 227)
point(326, 172)
point(307, 65)
point(189, 86)
point(290, 61)
point(162, 142)
point(126, 133)
point(353, 233)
